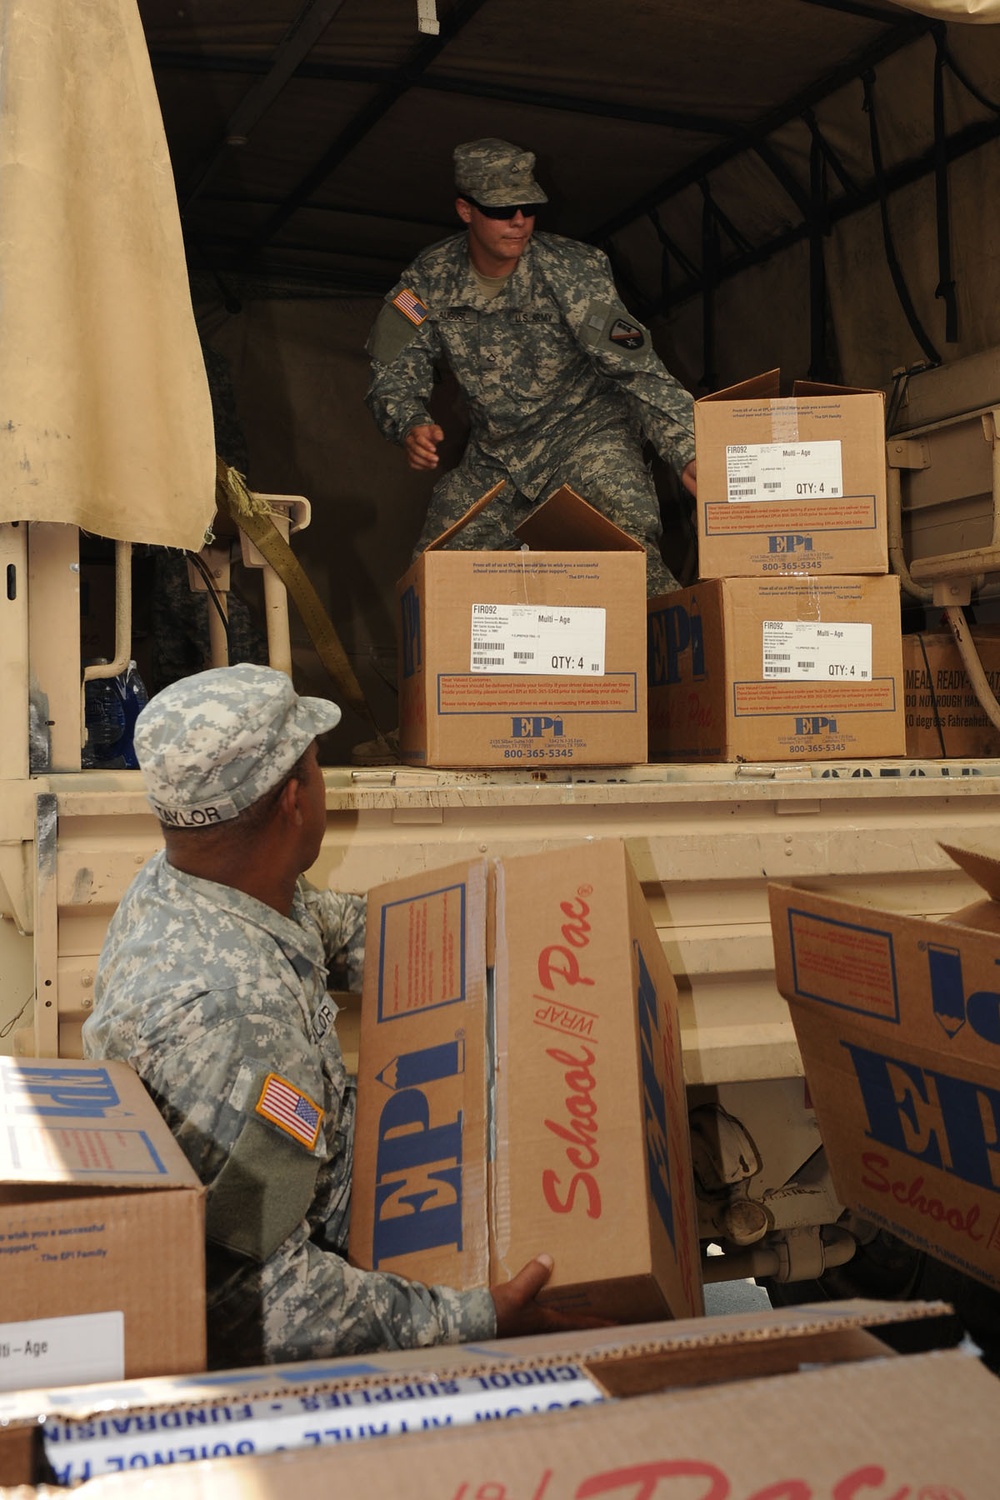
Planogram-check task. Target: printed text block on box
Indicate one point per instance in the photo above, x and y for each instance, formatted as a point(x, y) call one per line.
point(755, 699)
point(754, 518)
point(849, 967)
point(427, 936)
point(461, 694)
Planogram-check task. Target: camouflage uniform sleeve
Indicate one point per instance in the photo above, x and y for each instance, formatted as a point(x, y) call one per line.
point(286, 1295)
point(340, 917)
point(622, 350)
point(315, 1305)
point(403, 348)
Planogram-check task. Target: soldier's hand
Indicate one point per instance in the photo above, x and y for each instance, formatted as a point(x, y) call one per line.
point(519, 1313)
point(689, 477)
point(421, 444)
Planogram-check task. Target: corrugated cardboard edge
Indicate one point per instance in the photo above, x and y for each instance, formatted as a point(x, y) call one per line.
point(983, 867)
point(463, 521)
point(566, 521)
point(590, 1348)
point(740, 1435)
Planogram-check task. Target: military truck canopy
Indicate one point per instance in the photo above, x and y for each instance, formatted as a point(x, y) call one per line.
point(700, 145)
point(810, 184)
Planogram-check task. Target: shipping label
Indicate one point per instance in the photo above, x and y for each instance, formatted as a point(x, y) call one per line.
point(808, 651)
point(538, 640)
point(62, 1351)
point(783, 471)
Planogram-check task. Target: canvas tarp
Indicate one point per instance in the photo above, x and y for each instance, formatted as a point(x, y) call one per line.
point(105, 417)
point(956, 10)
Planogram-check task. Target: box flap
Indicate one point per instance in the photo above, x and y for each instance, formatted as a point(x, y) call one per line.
point(456, 527)
point(759, 387)
point(984, 868)
point(820, 388)
point(565, 522)
point(921, 1426)
point(591, 1347)
point(84, 1124)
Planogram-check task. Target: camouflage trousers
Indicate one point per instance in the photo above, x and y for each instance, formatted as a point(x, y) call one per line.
point(179, 627)
point(608, 470)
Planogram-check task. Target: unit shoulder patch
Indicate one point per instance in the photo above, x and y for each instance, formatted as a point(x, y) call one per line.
point(290, 1110)
point(626, 335)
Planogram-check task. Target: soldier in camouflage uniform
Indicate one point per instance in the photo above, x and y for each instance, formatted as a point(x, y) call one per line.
point(561, 383)
point(212, 985)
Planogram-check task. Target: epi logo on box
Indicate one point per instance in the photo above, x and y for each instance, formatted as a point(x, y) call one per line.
point(671, 633)
point(945, 1122)
point(86, 1092)
point(654, 1104)
point(411, 643)
point(790, 542)
point(536, 727)
point(949, 1002)
point(418, 1164)
point(808, 724)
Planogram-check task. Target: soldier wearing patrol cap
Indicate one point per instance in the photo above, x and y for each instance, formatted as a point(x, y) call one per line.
point(212, 985)
point(561, 383)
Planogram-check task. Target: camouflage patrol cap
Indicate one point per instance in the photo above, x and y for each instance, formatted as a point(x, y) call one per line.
point(212, 744)
point(496, 173)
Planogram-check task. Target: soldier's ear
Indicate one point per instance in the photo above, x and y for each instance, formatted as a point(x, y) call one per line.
point(289, 802)
point(463, 210)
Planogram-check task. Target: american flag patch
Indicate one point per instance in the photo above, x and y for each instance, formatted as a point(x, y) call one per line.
point(410, 306)
point(290, 1110)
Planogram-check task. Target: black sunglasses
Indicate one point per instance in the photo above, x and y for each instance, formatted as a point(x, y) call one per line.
point(529, 210)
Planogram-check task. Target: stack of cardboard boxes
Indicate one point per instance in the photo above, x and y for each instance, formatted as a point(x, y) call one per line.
point(520, 660)
point(790, 646)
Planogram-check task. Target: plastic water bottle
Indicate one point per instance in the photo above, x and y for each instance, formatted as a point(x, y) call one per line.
point(134, 698)
point(104, 715)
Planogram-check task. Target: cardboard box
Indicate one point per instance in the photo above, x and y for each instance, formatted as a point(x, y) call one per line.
point(944, 717)
point(520, 1086)
point(764, 669)
point(101, 1229)
point(790, 484)
point(897, 1022)
point(136, 1426)
point(528, 658)
point(847, 1424)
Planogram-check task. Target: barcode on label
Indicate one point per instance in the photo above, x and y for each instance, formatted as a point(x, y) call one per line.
point(804, 666)
point(524, 655)
point(778, 656)
point(773, 484)
point(595, 666)
point(487, 661)
point(780, 669)
point(751, 491)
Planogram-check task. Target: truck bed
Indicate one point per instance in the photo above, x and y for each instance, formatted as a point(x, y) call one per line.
point(705, 840)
